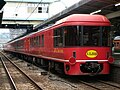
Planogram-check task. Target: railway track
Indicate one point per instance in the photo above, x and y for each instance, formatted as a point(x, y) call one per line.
point(18, 79)
point(76, 83)
point(91, 82)
point(101, 85)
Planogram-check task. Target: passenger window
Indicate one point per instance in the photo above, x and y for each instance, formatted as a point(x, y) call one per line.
point(42, 40)
point(58, 37)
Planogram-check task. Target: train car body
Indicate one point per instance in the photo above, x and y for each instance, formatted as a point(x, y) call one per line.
point(78, 44)
point(116, 42)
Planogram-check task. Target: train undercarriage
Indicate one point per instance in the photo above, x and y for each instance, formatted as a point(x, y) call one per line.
point(88, 68)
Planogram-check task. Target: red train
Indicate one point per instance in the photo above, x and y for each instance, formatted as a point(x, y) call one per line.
point(78, 44)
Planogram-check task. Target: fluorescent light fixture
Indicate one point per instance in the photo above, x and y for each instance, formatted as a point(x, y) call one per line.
point(95, 12)
point(117, 4)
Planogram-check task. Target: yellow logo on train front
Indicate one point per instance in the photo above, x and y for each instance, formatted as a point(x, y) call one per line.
point(91, 53)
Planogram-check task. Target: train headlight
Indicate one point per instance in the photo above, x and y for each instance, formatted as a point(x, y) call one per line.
point(72, 60)
point(110, 59)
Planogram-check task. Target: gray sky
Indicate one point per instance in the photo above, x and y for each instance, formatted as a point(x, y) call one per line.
point(57, 7)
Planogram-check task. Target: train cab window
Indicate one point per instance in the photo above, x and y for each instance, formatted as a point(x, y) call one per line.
point(95, 36)
point(72, 35)
point(91, 36)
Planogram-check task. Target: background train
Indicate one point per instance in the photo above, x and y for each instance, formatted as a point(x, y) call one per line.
point(116, 43)
point(78, 44)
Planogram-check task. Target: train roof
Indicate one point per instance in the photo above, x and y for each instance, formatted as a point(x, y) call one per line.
point(70, 18)
point(83, 18)
point(117, 38)
point(27, 34)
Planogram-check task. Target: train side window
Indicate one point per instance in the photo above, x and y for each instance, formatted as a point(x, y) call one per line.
point(114, 44)
point(105, 36)
point(31, 42)
point(20, 44)
point(58, 37)
point(34, 41)
point(42, 40)
point(38, 41)
point(117, 43)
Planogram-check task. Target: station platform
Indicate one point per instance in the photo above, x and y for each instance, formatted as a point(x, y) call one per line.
point(115, 68)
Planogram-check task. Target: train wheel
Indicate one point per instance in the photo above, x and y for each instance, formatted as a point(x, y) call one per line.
point(59, 67)
point(51, 67)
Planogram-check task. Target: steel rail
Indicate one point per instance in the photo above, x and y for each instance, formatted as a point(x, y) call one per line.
point(8, 74)
point(100, 82)
point(23, 73)
point(109, 84)
point(90, 85)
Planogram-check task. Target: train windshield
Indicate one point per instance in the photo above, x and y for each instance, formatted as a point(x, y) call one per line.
point(81, 36)
point(96, 36)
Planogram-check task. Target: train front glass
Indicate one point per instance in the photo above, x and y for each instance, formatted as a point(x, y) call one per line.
point(70, 36)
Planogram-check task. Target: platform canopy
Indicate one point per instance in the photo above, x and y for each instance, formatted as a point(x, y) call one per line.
point(1, 15)
point(103, 7)
point(45, 1)
point(2, 3)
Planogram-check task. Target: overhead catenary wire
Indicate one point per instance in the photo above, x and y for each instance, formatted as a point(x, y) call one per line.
point(16, 9)
point(18, 6)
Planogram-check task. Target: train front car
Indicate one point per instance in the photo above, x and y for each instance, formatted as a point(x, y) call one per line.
point(85, 42)
point(116, 42)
